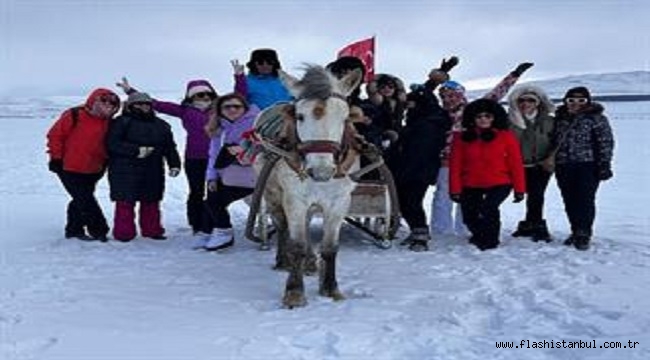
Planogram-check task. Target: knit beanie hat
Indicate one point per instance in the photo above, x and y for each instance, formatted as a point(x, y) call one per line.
point(198, 86)
point(138, 97)
point(452, 86)
point(579, 91)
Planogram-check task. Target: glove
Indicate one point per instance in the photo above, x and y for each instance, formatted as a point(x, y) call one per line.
point(604, 172)
point(447, 65)
point(144, 151)
point(455, 198)
point(521, 68)
point(519, 197)
point(55, 166)
point(173, 172)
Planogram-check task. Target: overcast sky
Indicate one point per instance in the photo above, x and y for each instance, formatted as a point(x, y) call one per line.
point(70, 46)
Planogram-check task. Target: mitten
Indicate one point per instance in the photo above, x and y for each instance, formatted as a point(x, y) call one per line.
point(521, 68)
point(173, 172)
point(519, 197)
point(55, 166)
point(447, 65)
point(604, 171)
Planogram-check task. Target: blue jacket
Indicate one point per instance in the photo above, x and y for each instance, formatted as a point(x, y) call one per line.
point(265, 90)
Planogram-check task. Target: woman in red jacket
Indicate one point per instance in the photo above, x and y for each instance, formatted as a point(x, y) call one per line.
point(485, 165)
point(78, 156)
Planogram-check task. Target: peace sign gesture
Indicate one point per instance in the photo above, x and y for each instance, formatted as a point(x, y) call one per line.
point(237, 67)
point(124, 85)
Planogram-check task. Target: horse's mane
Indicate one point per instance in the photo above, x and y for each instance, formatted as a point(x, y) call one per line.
point(316, 83)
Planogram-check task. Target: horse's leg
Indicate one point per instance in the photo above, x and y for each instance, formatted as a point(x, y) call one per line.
point(329, 249)
point(294, 294)
point(311, 262)
point(281, 262)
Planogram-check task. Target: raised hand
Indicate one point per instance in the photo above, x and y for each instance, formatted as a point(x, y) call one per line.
point(447, 65)
point(521, 68)
point(124, 85)
point(237, 68)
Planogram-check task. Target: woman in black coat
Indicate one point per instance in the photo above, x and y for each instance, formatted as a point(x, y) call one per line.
point(138, 142)
point(415, 159)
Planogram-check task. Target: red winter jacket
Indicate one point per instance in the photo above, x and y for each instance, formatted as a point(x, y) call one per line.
point(484, 164)
point(81, 146)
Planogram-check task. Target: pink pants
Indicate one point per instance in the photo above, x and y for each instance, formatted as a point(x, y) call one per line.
point(124, 226)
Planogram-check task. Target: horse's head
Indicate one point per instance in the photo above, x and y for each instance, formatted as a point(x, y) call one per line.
point(321, 111)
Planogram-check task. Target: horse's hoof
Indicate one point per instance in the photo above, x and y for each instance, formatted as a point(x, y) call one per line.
point(294, 299)
point(335, 295)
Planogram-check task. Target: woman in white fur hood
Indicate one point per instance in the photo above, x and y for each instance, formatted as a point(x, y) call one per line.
point(531, 117)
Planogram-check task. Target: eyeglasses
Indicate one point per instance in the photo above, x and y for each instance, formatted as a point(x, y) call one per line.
point(110, 100)
point(204, 94)
point(576, 100)
point(231, 106)
point(527, 99)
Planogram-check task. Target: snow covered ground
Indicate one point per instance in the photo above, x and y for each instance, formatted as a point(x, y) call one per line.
point(68, 300)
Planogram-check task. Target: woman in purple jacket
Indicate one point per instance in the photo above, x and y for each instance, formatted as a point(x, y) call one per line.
point(194, 112)
point(229, 179)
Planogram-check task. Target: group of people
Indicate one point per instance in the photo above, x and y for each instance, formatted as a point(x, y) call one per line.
point(475, 153)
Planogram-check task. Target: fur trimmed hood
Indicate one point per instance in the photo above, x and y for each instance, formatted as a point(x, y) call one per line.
point(372, 88)
point(545, 107)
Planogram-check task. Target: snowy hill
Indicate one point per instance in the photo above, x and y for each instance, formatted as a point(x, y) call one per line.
point(623, 83)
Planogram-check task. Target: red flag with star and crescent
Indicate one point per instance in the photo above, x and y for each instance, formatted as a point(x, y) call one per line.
point(365, 51)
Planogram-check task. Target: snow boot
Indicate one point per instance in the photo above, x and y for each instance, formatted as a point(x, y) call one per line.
point(220, 239)
point(541, 232)
point(199, 240)
point(581, 240)
point(419, 239)
point(525, 228)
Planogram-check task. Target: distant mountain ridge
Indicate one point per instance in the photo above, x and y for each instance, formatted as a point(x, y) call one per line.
point(606, 84)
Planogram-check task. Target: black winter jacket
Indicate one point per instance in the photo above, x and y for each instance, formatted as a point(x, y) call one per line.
point(131, 178)
point(416, 156)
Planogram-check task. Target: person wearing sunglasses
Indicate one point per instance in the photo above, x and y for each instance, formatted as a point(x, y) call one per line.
point(485, 166)
point(229, 177)
point(78, 157)
point(194, 112)
point(585, 146)
point(454, 101)
point(261, 86)
point(139, 144)
point(530, 113)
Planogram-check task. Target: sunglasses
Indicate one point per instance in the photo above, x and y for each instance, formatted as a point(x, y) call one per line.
point(387, 85)
point(110, 100)
point(141, 103)
point(231, 106)
point(580, 100)
point(527, 99)
point(203, 95)
point(263, 62)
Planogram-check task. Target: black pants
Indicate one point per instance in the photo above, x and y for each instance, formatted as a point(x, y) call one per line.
point(480, 207)
point(578, 185)
point(410, 195)
point(195, 171)
point(218, 202)
point(84, 212)
point(536, 182)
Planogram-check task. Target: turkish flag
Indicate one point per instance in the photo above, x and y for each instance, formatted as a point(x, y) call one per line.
point(365, 51)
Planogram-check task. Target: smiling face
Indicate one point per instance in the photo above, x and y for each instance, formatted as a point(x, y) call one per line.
point(527, 104)
point(575, 104)
point(484, 120)
point(232, 109)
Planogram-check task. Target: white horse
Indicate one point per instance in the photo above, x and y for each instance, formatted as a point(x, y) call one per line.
point(312, 176)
